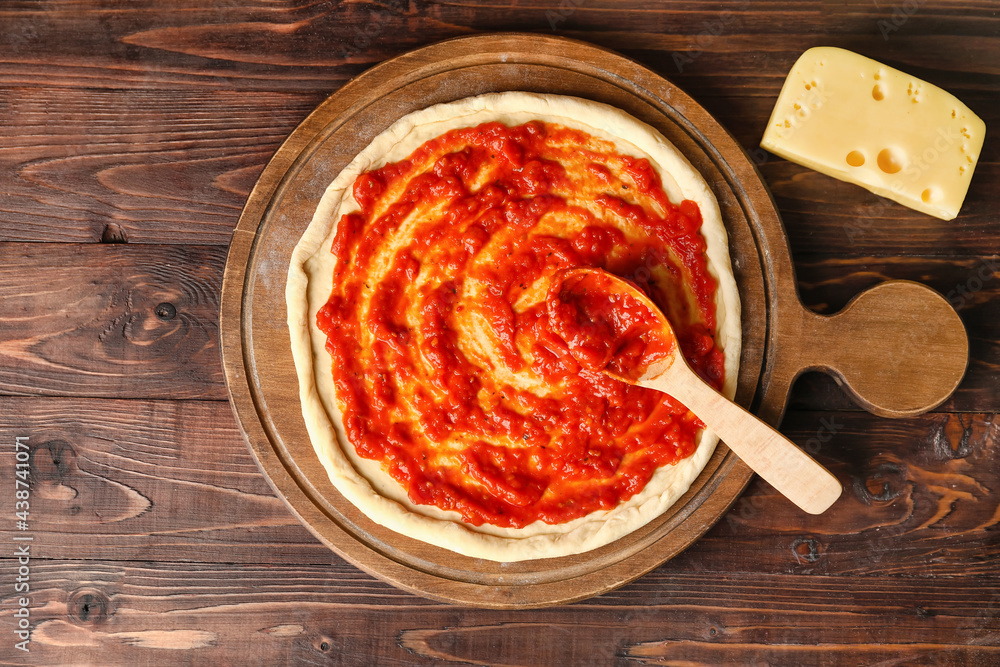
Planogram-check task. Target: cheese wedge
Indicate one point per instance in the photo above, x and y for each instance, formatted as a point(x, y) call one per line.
point(860, 121)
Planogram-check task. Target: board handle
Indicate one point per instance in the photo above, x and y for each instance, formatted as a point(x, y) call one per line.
point(899, 348)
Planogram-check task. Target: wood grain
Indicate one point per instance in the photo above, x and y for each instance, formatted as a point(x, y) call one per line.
point(110, 320)
point(191, 128)
point(161, 166)
point(147, 122)
point(327, 615)
point(918, 501)
point(173, 481)
point(128, 479)
point(258, 44)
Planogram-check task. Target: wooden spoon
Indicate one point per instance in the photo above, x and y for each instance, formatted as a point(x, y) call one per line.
point(612, 326)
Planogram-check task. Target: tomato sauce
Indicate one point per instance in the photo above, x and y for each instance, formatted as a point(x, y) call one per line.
point(445, 366)
point(605, 326)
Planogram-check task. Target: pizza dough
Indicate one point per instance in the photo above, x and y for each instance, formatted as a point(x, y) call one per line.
point(362, 481)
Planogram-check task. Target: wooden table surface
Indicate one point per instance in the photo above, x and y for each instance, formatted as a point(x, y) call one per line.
point(131, 134)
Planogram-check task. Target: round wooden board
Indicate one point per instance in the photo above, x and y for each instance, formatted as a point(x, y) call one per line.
point(255, 341)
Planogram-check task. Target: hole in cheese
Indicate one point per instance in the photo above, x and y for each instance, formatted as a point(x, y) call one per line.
point(929, 195)
point(877, 93)
point(889, 161)
point(856, 158)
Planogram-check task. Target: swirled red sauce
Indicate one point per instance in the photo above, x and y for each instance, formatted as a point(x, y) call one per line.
point(444, 365)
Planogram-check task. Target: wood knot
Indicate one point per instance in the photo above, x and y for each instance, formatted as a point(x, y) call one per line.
point(166, 311)
point(953, 438)
point(113, 233)
point(53, 461)
point(882, 484)
point(89, 605)
point(806, 550)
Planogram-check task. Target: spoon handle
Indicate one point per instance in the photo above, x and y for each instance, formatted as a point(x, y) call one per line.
point(771, 455)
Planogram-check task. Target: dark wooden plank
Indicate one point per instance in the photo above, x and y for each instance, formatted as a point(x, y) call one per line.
point(173, 481)
point(140, 118)
point(118, 613)
point(286, 44)
point(176, 166)
point(278, 45)
point(918, 500)
point(110, 320)
point(253, 44)
point(825, 216)
point(146, 166)
point(136, 480)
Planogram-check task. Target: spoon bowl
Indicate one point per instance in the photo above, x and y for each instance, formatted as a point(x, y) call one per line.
point(610, 325)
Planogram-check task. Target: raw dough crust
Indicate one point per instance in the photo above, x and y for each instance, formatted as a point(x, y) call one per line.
point(309, 285)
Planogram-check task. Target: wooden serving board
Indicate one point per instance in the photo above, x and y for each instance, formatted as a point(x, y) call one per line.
point(780, 337)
